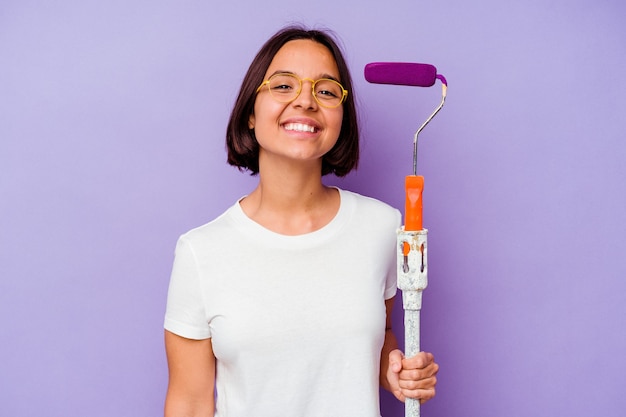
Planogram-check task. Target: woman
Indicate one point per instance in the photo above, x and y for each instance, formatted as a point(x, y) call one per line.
point(282, 305)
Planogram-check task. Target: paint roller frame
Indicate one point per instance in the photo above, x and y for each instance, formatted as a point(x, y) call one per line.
point(408, 74)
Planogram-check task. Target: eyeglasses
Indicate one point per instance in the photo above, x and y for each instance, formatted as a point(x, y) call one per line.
point(285, 88)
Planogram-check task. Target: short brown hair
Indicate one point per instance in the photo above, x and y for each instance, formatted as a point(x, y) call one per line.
point(243, 148)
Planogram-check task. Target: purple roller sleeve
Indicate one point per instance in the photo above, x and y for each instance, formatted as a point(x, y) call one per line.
point(401, 73)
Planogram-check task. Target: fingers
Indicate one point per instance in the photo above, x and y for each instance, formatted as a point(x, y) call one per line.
point(393, 373)
point(423, 389)
point(419, 361)
point(396, 360)
point(422, 395)
point(418, 377)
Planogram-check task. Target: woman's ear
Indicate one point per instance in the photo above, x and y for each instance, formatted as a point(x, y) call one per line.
point(251, 122)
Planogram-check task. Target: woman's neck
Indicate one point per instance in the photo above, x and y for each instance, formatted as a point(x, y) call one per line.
point(291, 202)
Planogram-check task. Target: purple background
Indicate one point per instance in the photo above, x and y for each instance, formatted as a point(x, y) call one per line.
point(112, 118)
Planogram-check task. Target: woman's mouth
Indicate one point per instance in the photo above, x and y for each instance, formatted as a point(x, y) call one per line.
point(300, 127)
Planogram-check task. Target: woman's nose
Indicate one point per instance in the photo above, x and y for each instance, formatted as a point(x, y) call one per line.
point(306, 98)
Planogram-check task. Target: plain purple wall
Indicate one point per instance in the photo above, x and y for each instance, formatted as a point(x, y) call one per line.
point(112, 117)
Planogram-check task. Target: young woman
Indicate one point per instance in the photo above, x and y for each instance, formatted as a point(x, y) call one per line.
point(282, 305)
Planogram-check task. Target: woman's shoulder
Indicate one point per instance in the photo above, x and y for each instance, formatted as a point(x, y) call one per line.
point(366, 201)
point(370, 206)
point(214, 230)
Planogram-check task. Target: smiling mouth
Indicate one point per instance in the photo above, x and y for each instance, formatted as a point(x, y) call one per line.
point(300, 127)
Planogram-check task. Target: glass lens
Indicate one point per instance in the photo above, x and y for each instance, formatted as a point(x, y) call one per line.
point(284, 87)
point(328, 92)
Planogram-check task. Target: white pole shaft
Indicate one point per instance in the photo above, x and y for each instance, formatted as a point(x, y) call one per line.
point(412, 280)
point(411, 348)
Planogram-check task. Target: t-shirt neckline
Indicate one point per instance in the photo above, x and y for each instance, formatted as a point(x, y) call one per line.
point(257, 231)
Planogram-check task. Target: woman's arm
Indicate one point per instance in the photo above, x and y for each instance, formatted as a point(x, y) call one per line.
point(414, 377)
point(191, 365)
point(389, 345)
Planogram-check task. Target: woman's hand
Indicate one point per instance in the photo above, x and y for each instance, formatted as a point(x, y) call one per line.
point(414, 377)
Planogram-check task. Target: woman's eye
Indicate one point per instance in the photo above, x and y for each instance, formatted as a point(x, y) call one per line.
point(327, 93)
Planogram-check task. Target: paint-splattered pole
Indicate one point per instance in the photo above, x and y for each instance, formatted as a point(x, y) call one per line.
point(412, 274)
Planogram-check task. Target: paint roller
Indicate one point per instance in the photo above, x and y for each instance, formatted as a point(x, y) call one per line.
point(412, 237)
point(417, 75)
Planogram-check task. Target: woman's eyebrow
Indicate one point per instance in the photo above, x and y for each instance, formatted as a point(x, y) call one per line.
point(280, 72)
point(324, 75)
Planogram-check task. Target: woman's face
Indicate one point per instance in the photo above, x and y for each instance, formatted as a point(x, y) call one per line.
point(301, 130)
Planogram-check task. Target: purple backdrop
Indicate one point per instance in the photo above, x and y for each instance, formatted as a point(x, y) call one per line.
point(112, 117)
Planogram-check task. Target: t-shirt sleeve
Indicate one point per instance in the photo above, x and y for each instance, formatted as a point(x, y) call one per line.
point(185, 313)
point(392, 271)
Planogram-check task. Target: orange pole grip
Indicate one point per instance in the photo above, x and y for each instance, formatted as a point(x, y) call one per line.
point(414, 186)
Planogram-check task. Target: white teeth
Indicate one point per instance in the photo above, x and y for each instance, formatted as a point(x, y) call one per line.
point(300, 127)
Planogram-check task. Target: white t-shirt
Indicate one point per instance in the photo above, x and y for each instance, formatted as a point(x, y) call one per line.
point(297, 322)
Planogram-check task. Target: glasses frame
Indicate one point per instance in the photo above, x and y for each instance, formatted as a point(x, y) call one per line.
point(344, 92)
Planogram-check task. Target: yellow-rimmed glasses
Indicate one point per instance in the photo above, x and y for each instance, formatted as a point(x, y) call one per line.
point(286, 87)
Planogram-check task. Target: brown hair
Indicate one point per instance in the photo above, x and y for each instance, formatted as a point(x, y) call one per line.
point(243, 148)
